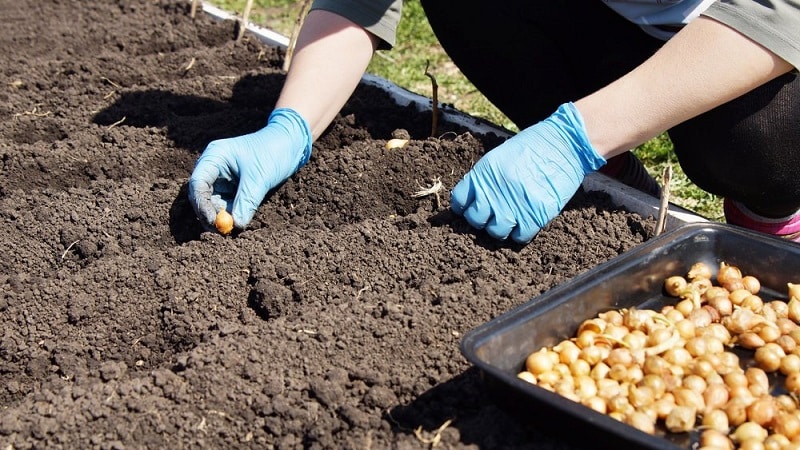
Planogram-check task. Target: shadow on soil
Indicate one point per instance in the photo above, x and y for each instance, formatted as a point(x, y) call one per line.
point(439, 411)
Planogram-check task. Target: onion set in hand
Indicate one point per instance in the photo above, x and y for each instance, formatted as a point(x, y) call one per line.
point(224, 222)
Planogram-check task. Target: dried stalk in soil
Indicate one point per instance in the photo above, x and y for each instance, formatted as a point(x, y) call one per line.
point(35, 112)
point(119, 122)
point(437, 436)
point(189, 66)
point(193, 11)
point(434, 99)
point(432, 190)
point(661, 224)
point(296, 31)
point(245, 16)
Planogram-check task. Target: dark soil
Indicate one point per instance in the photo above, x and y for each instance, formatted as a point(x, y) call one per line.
point(333, 322)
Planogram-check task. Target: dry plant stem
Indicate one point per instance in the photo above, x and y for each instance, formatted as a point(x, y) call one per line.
point(63, 255)
point(362, 290)
point(295, 32)
point(115, 85)
point(437, 437)
point(434, 99)
point(119, 122)
point(661, 224)
point(193, 11)
point(109, 81)
point(425, 191)
point(189, 65)
point(245, 16)
point(34, 112)
point(433, 190)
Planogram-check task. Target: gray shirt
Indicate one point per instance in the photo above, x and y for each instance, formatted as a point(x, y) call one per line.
point(774, 24)
point(379, 17)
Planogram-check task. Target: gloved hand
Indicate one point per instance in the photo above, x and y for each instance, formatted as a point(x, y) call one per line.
point(243, 169)
point(518, 187)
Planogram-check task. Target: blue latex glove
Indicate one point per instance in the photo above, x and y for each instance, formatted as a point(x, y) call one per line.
point(518, 187)
point(236, 173)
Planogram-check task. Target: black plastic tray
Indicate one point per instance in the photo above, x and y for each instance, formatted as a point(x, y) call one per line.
point(499, 347)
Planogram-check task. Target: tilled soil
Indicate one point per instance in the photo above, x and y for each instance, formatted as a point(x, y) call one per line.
point(334, 321)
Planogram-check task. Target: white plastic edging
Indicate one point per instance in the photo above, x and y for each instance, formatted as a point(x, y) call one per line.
point(621, 194)
point(267, 36)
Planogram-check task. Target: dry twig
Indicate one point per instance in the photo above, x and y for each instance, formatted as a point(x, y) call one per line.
point(245, 17)
point(435, 99)
point(64, 255)
point(295, 32)
point(108, 80)
point(362, 290)
point(115, 85)
point(34, 112)
point(432, 190)
point(189, 66)
point(437, 437)
point(119, 122)
point(661, 224)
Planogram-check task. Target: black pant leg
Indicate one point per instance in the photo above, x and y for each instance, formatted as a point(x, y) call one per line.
point(748, 149)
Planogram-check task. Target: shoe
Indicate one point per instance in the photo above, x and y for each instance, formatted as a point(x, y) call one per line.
point(627, 169)
point(785, 227)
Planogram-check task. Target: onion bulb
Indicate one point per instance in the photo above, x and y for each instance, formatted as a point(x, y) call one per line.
point(224, 222)
point(699, 270)
point(396, 143)
point(539, 363)
point(675, 285)
point(681, 419)
point(751, 283)
point(787, 424)
point(711, 438)
point(792, 382)
point(794, 290)
point(728, 273)
point(749, 431)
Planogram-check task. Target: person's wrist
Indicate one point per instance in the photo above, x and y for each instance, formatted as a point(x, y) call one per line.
point(569, 122)
point(298, 130)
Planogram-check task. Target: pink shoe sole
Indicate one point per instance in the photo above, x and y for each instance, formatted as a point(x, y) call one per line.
point(786, 227)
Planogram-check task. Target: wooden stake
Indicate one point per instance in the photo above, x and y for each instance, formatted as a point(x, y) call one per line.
point(194, 8)
point(435, 99)
point(245, 16)
point(298, 24)
point(661, 224)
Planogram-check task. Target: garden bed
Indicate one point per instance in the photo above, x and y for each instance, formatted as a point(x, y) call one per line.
point(334, 321)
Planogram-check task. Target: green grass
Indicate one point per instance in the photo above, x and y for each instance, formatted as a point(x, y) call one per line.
point(656, 155)
point(417, 47)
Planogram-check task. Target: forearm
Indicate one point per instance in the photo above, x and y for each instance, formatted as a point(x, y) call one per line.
point(330, 58)
point(703, 66)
